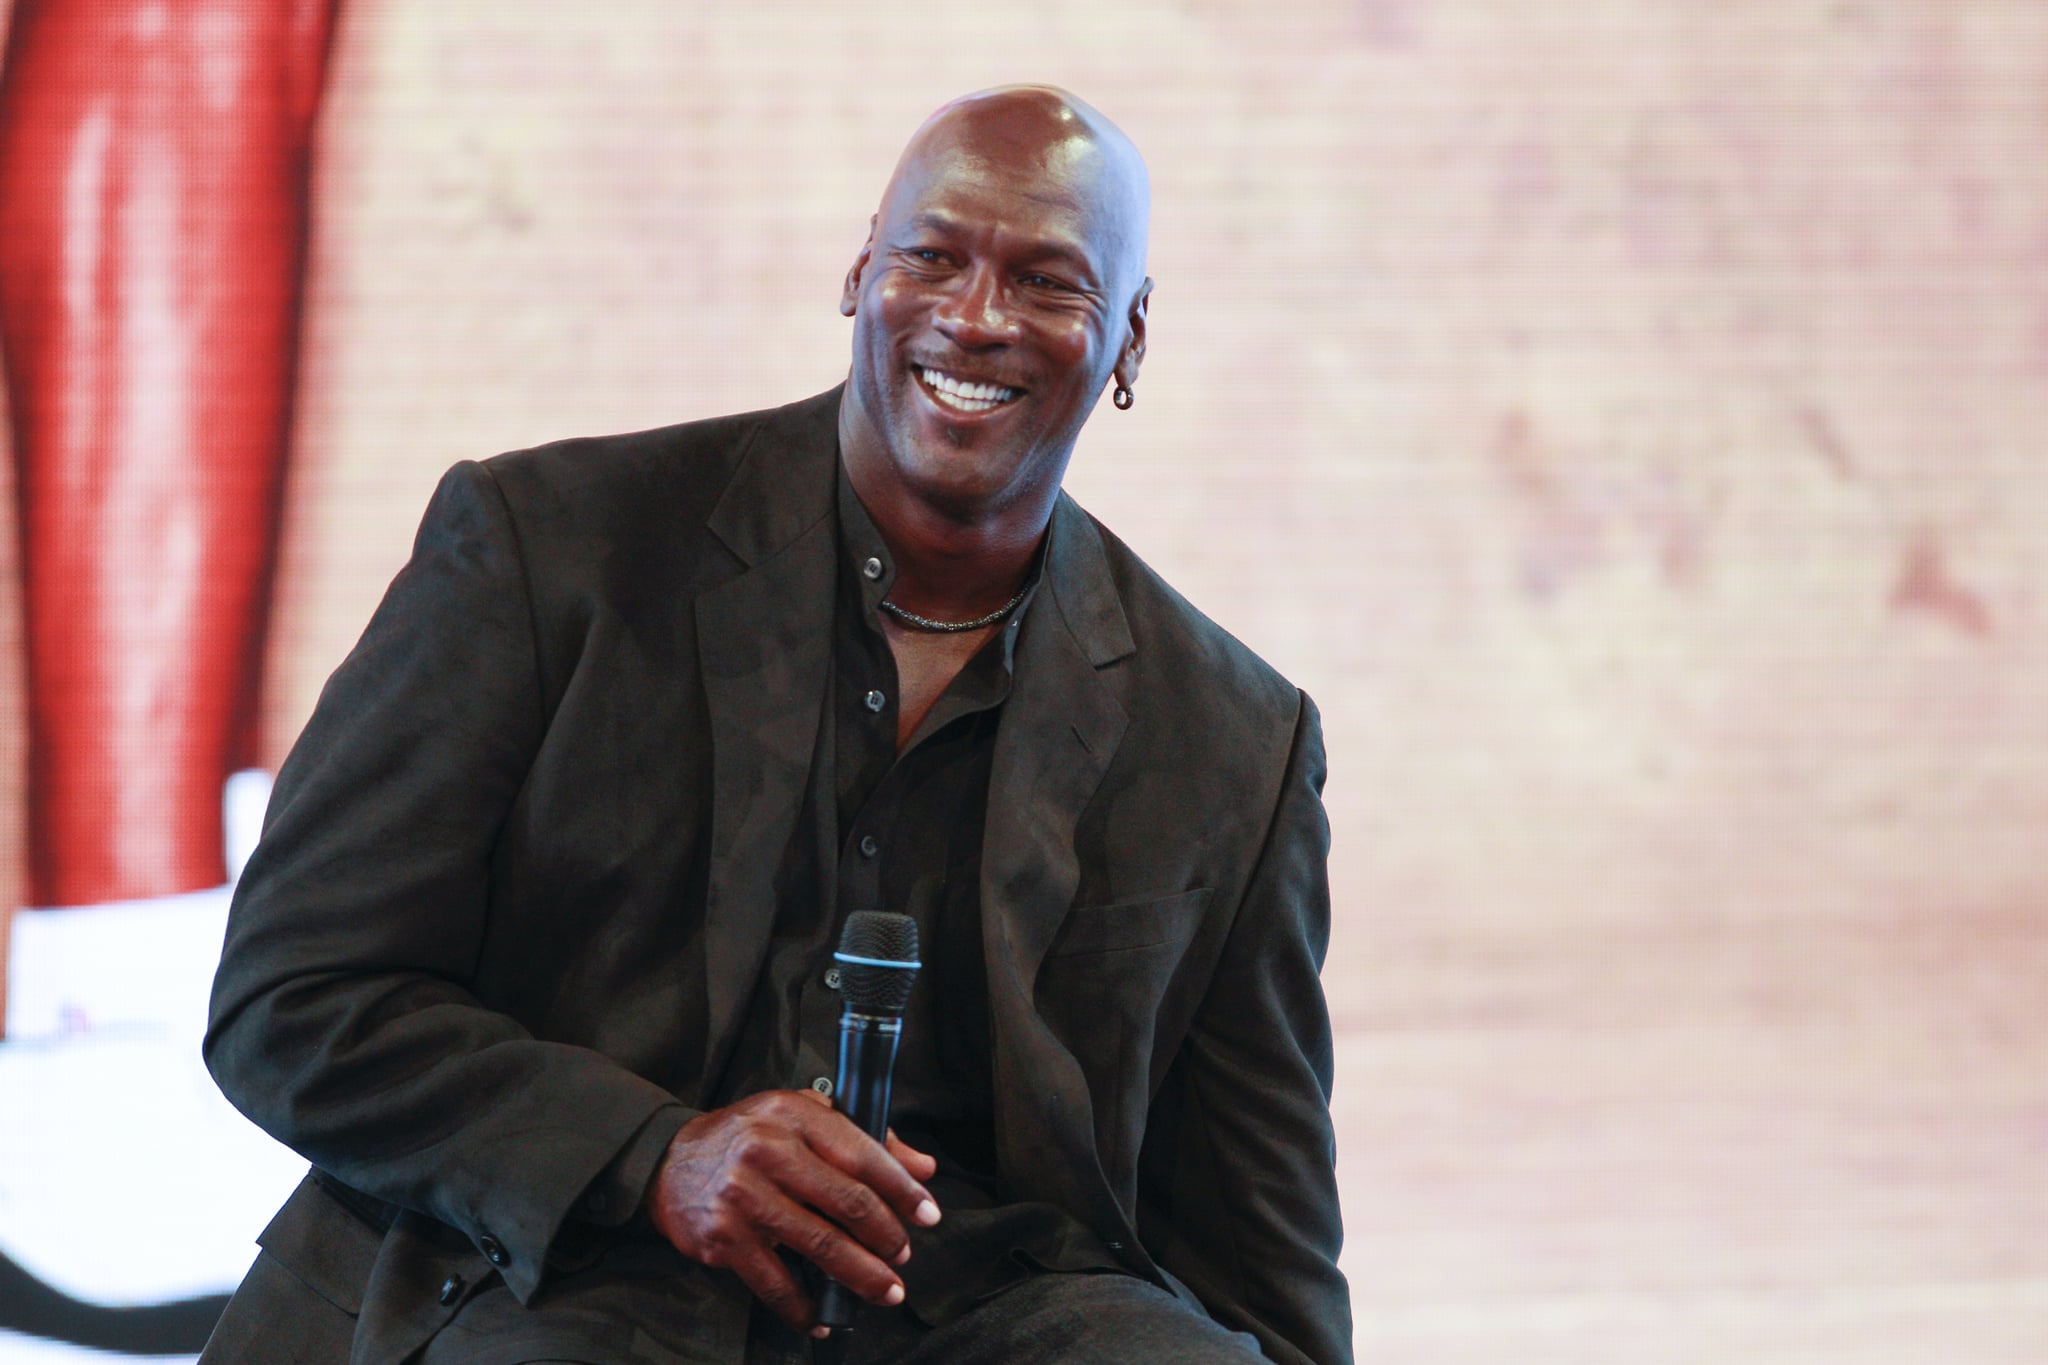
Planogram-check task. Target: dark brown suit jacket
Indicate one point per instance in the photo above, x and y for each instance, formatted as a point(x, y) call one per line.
point(515, 884)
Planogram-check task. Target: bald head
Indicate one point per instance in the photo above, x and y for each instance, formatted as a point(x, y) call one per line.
point(1050, 143)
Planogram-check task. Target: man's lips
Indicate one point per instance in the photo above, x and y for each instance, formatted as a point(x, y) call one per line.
point(969, 397)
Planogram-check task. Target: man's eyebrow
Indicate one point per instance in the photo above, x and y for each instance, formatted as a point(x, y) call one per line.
point(1048, 250)
point(1062, 251)
point(933, 221)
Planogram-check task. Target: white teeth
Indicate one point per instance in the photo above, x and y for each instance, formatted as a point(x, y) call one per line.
point(965, 397)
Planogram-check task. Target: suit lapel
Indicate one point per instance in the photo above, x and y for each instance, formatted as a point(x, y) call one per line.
point(1060, 729)
point(764, 643)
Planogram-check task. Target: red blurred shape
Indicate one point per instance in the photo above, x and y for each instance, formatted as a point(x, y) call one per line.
point(153, 222)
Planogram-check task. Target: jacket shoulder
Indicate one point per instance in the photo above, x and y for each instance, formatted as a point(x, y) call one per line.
point(679, 471)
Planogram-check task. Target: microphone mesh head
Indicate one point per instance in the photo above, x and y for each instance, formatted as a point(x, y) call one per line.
point(883, 936)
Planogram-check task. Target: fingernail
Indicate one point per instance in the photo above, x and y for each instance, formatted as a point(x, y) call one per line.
point(894, 1296)
point(927, 1213)
point(900, 1257)
point(821, 1331)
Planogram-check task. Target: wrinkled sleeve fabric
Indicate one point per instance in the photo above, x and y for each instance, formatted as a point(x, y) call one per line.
point(1254, 1227)
point(342, 1022)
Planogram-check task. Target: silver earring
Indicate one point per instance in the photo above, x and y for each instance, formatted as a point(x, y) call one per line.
point(1123, 398)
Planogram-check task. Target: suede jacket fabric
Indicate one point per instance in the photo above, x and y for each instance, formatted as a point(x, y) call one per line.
point(516, 882)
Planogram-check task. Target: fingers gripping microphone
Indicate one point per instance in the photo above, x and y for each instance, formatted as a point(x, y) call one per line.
point(877, 963)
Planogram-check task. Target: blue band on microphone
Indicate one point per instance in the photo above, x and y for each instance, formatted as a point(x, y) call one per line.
point(874, 961)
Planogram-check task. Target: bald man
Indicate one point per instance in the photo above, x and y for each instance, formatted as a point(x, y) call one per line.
point(534, 960)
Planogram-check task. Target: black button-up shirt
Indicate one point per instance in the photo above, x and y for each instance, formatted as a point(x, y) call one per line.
point(903, 833)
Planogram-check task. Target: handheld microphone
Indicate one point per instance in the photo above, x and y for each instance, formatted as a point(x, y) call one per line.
point(877, 963)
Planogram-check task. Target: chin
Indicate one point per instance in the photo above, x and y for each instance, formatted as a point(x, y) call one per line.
point(934, 455)
point(943, 484)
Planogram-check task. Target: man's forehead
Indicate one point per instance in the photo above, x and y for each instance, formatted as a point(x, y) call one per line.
point(1031, 146)
point(1060, 179)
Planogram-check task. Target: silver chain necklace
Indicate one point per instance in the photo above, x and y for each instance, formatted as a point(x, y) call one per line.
point(925, 623)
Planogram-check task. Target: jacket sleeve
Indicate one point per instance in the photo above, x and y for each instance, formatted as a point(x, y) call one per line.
point(342, 1021)
point(1252, 1223)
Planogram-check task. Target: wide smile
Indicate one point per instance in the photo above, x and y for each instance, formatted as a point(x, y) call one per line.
point(966, 397)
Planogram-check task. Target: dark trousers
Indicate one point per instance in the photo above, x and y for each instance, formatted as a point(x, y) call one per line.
point(1051, 1318)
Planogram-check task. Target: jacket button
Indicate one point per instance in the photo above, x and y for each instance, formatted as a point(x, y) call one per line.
point(493, 1250)
point(451, 1289)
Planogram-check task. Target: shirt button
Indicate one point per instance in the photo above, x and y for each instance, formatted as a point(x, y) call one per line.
point(876, 701)
point(493, 1250)
point(451, 1289)
point(868, 847)
point(832, 978)
point(873, 569)
point(823, 1085)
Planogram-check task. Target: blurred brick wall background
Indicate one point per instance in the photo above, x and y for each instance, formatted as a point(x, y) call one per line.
point(1625, 417)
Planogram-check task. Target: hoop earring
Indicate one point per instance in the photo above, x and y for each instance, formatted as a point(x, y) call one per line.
point(1123, 398)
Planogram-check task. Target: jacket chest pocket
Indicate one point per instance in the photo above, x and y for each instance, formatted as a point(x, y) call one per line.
point(1100, 989)
point(1161, 926)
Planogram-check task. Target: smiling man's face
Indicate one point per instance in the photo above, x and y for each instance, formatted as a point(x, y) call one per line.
point(1002, 284)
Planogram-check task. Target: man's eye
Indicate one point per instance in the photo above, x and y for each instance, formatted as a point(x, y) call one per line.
point(924, 253)
point(1044, 282)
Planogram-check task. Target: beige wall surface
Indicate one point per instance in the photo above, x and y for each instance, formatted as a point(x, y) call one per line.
point(1625, 417)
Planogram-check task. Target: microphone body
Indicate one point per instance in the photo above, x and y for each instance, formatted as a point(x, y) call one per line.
point(877, 964)
point(867, 1067)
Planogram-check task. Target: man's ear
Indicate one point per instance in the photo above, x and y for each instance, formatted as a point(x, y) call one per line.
point(851, 293)
point(1134, 345)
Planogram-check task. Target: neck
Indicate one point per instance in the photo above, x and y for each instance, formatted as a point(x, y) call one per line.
point(952, 564)
point(948, 569)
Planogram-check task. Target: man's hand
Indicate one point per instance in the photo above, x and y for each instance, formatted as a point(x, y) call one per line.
point(783, 1168)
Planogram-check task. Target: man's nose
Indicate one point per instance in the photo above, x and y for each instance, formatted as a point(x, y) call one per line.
point(977, 314)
